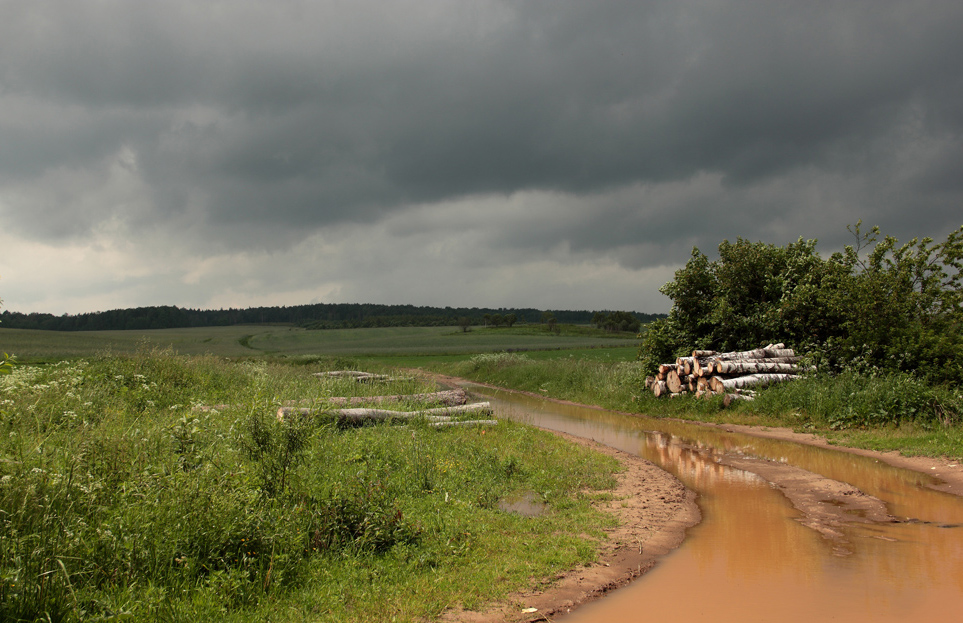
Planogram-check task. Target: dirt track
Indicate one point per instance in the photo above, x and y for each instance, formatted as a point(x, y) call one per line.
point(655, 509)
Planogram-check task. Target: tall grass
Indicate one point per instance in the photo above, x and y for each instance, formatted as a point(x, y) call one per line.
point(118, 499)
point(871, 409)
point(859, 400)
point(592, 381)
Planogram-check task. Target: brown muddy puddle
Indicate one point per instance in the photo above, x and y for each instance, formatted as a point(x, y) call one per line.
point(752, 558)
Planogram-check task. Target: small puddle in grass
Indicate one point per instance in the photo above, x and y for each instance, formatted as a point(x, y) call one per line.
point(753, 557)
point(527, 504)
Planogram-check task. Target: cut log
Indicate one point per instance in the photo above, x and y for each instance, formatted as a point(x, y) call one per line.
point(675, 383)
point(730, 398)
point(464, 423)
point(357, 416)
point(702, 354)
point(360, 377)
point(648, 382)
point(793, 359)
point(447, 397)
point(754, 367)
point(684, 365)
point(759, 353)
point(720, 385)
point(659, 388)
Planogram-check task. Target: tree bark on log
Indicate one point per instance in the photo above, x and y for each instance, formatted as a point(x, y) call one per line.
point(359, 415)
point(721, 386)
point(730, 398)
point(464, 423)
point(360, 377)
point(447, 397)
point(754, 367)
point(659, 388)
point(759, 353)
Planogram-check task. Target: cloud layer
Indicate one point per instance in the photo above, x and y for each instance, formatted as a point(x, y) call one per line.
point(554, 154)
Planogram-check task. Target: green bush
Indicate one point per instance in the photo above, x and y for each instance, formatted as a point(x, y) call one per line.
point(876, 306)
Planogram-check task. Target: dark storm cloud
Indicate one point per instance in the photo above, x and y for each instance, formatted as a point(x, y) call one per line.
point(634, 130)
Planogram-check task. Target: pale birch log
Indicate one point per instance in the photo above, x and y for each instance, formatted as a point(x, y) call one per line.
point(759, 353)
point(754, 367)
point(360, 377)
point(730, 398)
point(447, 397)
point(648, 382)
point(720, 385)
point(677, 394)
point(464, 423)
point(341, 373)
point(793, 359)
point(702, 354)
point(378, 415)
point(659, 388)
point(700, 366)
point(684, 365)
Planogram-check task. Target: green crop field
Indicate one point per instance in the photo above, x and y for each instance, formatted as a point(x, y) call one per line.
point(256, 340)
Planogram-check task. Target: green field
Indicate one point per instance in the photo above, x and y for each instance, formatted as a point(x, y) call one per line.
point(121, 498)
point(274, 340)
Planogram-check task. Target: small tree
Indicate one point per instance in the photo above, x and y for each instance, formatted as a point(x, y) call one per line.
point(511, 319)
point(598, 319)
point(6, 363)
point(465, 323)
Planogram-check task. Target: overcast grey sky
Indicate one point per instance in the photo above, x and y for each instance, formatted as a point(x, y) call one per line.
point(542, 153)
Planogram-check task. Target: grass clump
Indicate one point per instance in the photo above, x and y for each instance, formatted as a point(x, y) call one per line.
point(118, 498)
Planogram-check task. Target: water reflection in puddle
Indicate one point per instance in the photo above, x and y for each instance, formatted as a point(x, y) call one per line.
point(526, 504)
point(749, 559)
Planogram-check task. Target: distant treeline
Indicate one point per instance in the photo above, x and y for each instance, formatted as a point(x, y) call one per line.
point(317, 316)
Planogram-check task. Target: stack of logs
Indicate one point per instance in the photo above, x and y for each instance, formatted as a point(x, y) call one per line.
point(708, 373)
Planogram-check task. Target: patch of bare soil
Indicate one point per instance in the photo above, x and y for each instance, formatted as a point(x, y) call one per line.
point(654, 511)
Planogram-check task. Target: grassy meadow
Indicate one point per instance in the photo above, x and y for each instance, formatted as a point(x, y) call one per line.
point(120, 498)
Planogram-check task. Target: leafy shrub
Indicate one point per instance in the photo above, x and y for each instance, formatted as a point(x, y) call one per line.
point(877, 305)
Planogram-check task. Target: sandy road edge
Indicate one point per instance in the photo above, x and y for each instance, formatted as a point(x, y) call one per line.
point(561, 598)
point(654, 511)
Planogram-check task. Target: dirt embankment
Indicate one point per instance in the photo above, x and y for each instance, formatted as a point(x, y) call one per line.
point(654, 511)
